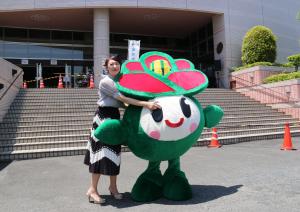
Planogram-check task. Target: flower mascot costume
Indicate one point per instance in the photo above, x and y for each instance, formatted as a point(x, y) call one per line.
point(162, 134)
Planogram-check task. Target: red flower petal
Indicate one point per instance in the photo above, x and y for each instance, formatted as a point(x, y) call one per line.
point(182, 64)
point(187, 80)
point(134, 66)
point(143, 83)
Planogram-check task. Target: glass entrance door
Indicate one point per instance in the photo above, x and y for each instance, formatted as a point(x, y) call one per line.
point(81, 76)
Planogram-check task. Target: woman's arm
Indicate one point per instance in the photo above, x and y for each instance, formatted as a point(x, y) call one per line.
point(131, 101)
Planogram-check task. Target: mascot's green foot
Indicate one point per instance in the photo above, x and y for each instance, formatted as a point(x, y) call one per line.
point(176, 186)
point(148, 187)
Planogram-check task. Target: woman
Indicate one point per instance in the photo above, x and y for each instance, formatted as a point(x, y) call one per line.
point(105, 159)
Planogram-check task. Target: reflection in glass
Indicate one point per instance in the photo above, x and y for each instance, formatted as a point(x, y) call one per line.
point(62, 52)
point(80, 77)
point(15, 50)
point(1, 49)
point(39, 51)
point(82, 53)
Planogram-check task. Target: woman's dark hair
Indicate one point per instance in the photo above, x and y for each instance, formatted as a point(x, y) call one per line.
point(115, 58)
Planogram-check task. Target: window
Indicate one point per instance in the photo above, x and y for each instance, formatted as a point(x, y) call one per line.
point(64, 36)
point(15, 50)
point(15, 34)
point(1, 33)
point(83, 37)
point(202, 34)
point(159, 41)
point(62, 52)
point(82, 53)
point(78, 36)
point(39, 51)
point(35, 34)
point(121, 38)
point(1, 49)
point(209, 29)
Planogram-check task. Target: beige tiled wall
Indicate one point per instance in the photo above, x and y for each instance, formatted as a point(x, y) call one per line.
point(6, 79)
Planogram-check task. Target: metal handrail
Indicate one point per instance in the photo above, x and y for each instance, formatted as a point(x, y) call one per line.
point(267, 91)
point(11, 84)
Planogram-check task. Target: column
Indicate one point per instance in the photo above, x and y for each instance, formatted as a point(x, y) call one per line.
point(219, 36)
point(101, 41)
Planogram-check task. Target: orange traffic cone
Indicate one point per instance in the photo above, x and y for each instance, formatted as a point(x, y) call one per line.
point(214, 139)
point(287, 142)
point(92, 85)
point(60, 83)
point(42, 83)
point(25, 85)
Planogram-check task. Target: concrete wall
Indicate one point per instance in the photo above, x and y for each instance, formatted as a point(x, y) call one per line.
point(6, 78)
point(239, 16)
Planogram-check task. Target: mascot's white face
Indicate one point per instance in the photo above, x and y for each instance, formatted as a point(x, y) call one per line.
point(178, 117)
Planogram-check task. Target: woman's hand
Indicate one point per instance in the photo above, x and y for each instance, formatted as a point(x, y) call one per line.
point(152, 105)
point(147, 104)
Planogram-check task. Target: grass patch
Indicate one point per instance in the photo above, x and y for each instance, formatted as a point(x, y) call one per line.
point(282, 77)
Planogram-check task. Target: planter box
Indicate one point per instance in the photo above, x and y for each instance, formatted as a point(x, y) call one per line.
point(255, 75)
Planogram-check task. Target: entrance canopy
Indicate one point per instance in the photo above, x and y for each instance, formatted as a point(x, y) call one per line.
point(155, 22)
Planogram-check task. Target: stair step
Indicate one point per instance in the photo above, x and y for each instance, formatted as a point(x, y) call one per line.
point(42, 145)
point(41, 153)
point(57, 118)
point(44, 138)
point(246, 138)
point(44, 132)
point(56, 122)
point(41, 123)
point(70, 151)
point(18, 128)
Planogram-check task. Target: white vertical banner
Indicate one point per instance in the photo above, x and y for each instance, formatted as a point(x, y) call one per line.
point(134, 49)
point(40, 71)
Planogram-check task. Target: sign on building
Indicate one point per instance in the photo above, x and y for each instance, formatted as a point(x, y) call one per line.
point(133, 49)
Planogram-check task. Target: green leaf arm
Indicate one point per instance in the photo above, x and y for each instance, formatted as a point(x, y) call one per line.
point(213, 115)
point(110, 132)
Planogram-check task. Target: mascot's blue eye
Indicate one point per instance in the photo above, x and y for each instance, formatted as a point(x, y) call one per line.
point(157, 115)
point(186, 109)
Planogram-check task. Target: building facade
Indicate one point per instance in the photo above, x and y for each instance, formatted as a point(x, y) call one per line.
point(78, 35)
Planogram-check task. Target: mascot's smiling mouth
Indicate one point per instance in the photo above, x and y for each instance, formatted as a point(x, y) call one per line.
point(174, 125)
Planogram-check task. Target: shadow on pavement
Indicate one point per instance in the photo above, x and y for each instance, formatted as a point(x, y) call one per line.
point(4, 164)
point(201, 194)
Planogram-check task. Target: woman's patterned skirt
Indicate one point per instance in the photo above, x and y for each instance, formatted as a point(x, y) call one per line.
point(102, 158)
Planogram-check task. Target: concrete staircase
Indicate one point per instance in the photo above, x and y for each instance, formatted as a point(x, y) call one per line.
point(54, 122)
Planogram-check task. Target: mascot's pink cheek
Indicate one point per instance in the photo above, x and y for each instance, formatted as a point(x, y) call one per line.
point(193, 127)
point(155, 135)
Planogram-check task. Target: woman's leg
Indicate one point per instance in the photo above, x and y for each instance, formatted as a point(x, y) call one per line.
point(114, 189)
point(93, 191)
point(113, 184)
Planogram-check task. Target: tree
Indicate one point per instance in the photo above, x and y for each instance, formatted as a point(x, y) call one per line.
point(295, 60)
point(259, 45)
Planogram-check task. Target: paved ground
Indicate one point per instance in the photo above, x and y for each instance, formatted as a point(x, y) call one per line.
point(254, 176)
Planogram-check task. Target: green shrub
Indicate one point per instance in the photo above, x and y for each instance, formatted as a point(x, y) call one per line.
point(282, 77)
point(252, 65)
point(295, 60)
point(287, 65)
point(259, 44)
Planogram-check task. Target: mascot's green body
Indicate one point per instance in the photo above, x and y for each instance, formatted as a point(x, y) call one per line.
point(162, 134)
